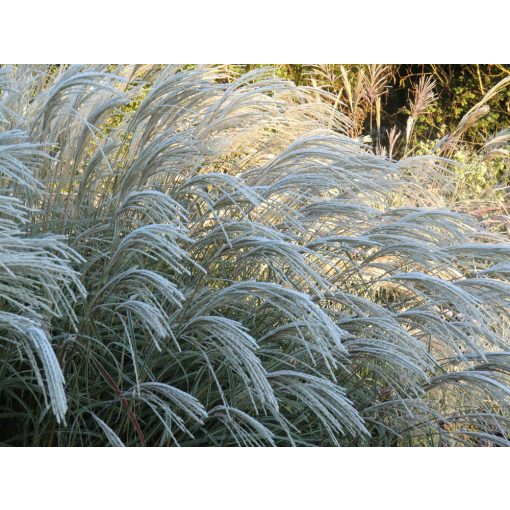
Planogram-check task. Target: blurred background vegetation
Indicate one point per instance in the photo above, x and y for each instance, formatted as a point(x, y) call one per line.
point(361, 89)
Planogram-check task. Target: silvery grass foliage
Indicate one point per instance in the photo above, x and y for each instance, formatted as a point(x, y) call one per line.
point(193, 258)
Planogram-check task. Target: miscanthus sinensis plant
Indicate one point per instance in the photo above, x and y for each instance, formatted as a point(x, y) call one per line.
point(193, 258)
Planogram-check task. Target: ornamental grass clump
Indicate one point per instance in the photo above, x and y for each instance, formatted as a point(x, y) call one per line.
point(194, 258)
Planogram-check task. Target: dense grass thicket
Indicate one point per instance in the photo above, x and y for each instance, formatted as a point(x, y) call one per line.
point(193, 258)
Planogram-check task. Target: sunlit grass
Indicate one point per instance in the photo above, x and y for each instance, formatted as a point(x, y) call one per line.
point(187, 260)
